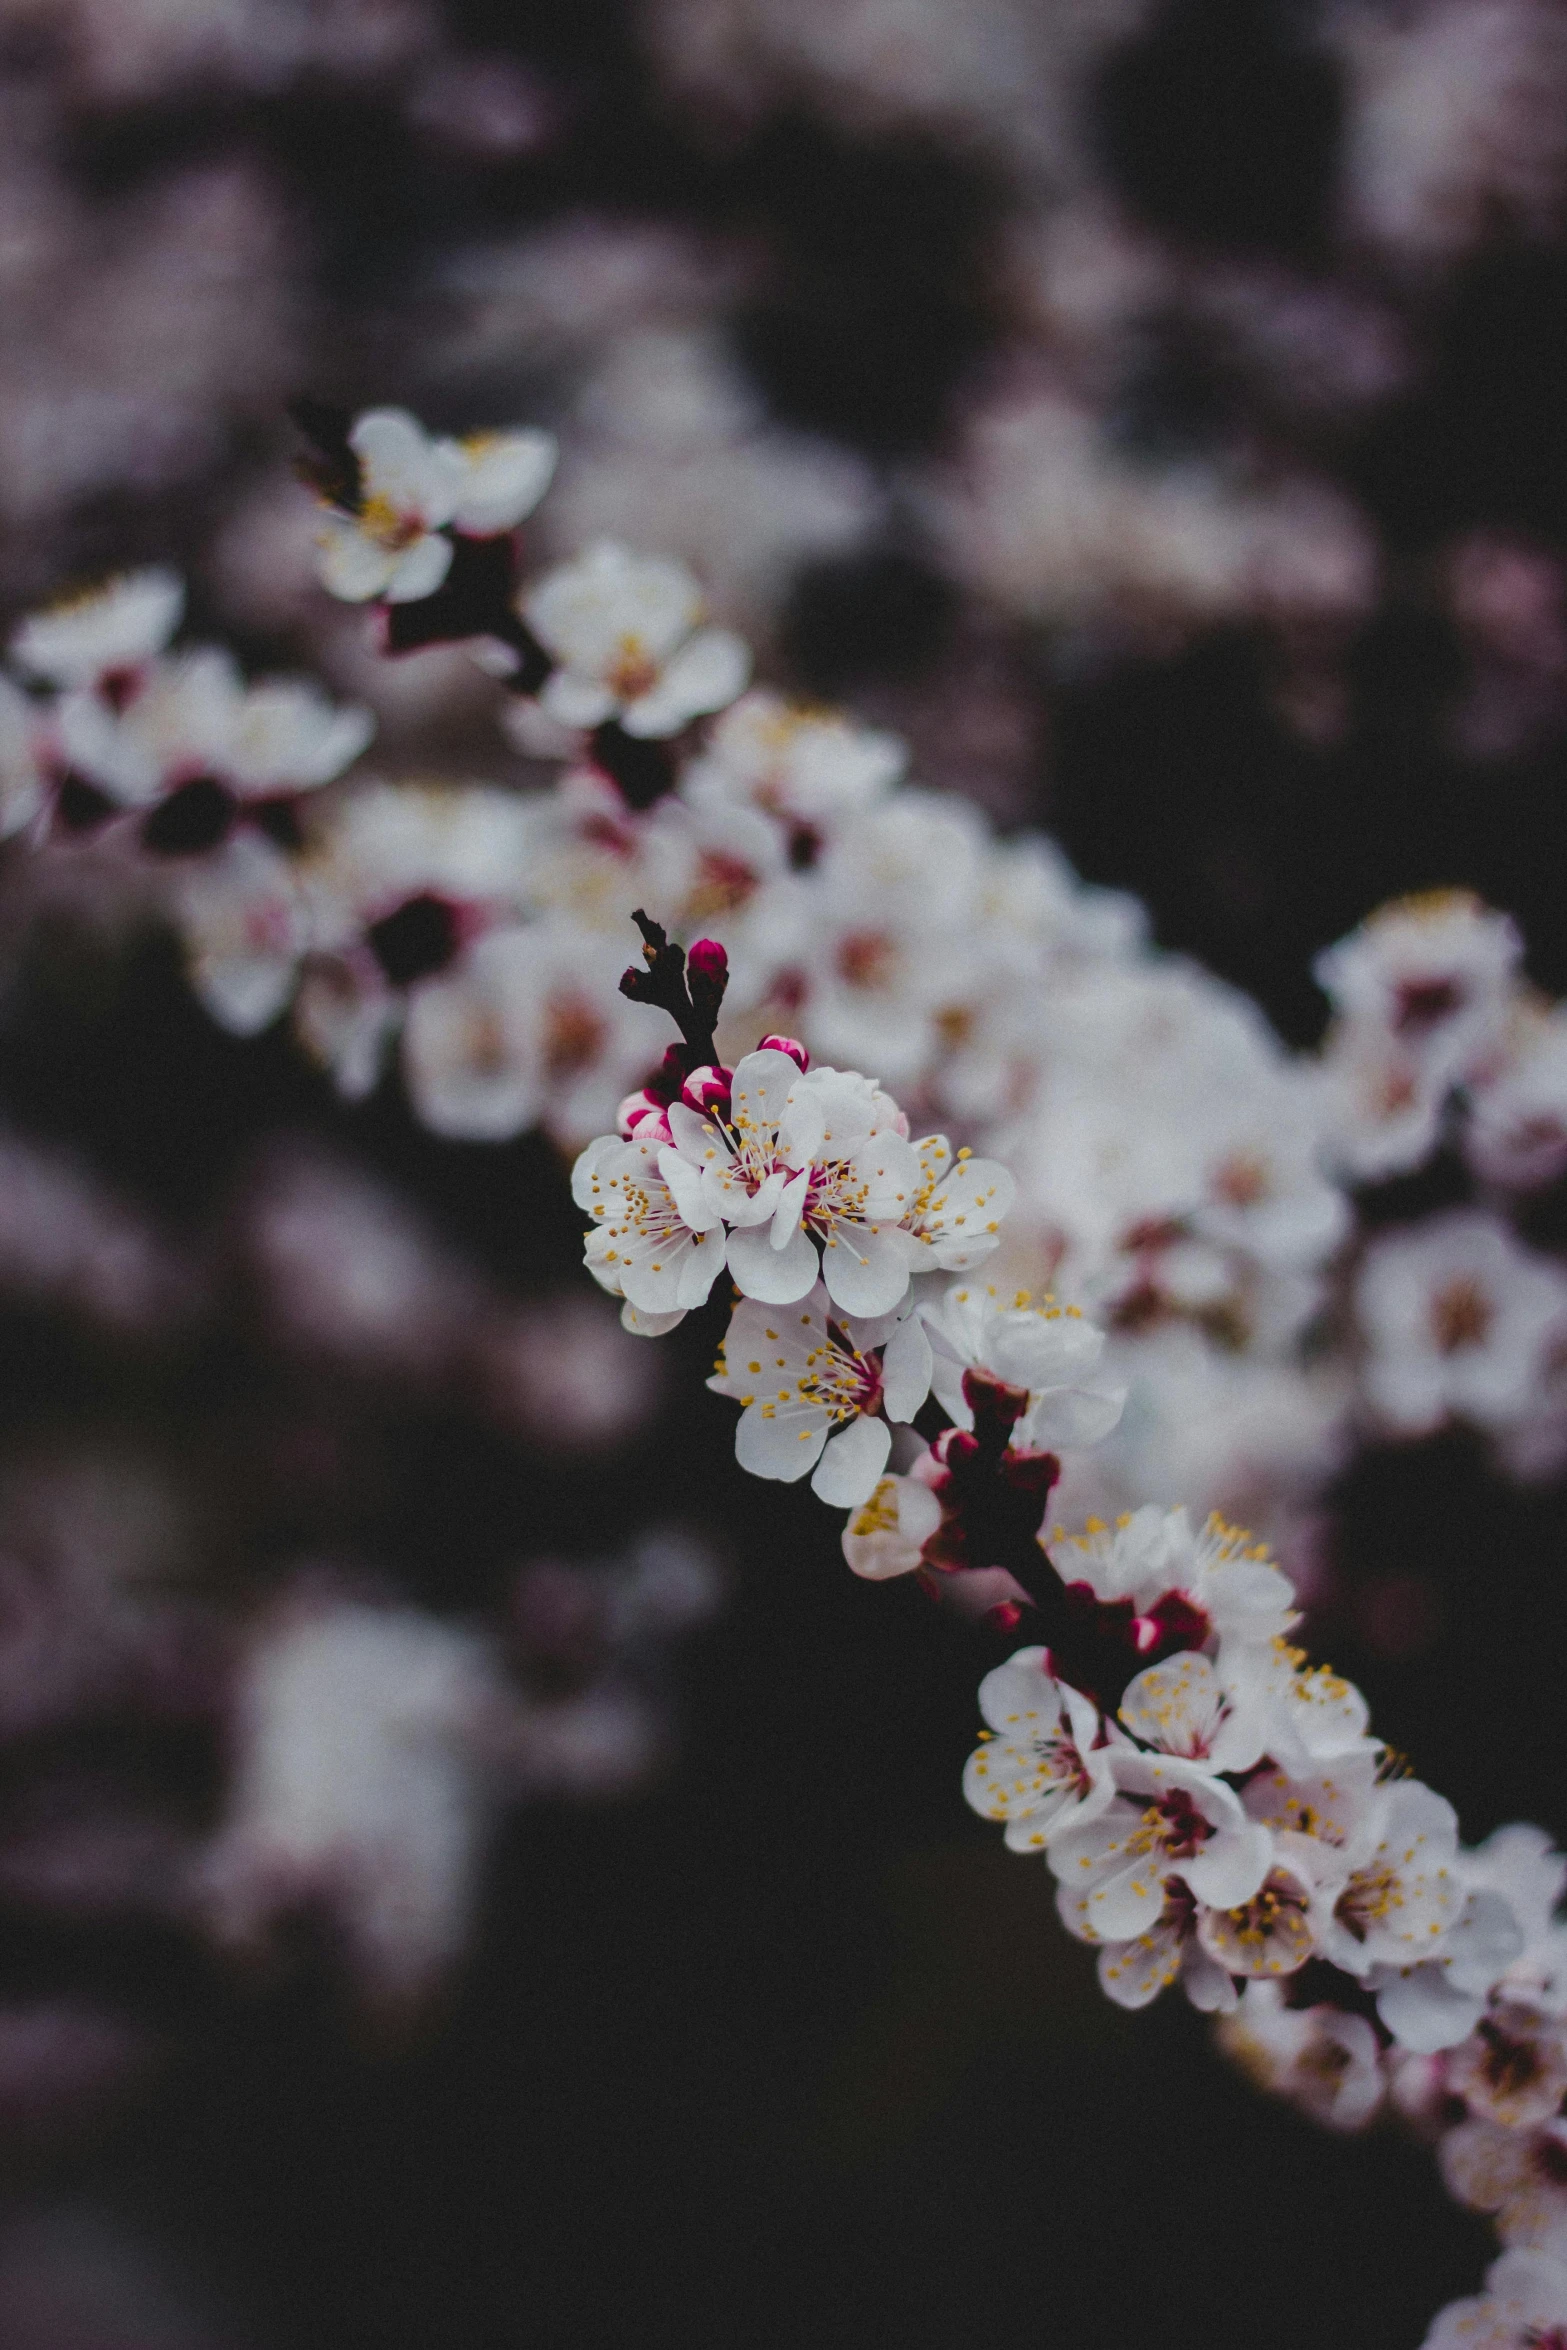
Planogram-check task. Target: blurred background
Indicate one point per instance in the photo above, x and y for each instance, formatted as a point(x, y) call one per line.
point(471, 1871)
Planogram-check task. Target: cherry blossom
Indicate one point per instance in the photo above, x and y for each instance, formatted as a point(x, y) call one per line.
point(393, 542)
point(886, 1535)
point(808, 769)
point(1459, 1320)
point(811, 1388)
point(641, 1247)
point(1519, 2176)
point(1320, 2058)
point(1399, 1892)
point(1523, 2307)
point(624, 631)
point(1050, 1350)
point(1041, 1767)
point(109, 633)
point(1169, 1818)
point(1432, 974)
point(1134, 1972)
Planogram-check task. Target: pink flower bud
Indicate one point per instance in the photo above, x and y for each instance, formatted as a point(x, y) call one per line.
point(707, 959)
point(786, 1044)
point(708, 1089)
point(639, 1110)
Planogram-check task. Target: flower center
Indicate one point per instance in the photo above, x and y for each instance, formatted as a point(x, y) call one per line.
point(389, 525)
point(723, 885)
point(866, 958)
point(1421, 1003)
point(633, 672)
point(1370, 1896)
point(573, 1034)
point(1178, 1825)
point(1461, 1315)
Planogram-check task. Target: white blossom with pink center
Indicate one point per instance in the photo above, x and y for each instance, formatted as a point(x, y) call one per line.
point(625, 633)
point(1169, 1818)
point(812, 1387)
point(1041, 1766)
point(394, 544)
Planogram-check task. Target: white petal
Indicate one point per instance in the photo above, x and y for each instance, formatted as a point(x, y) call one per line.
point(1070, 1417)
point(575, 701)
point(865, 1272)
point(1424, 2011)
point(420, 571)
point(707, 672)
point(643, 1325)
point(776, 1276)
point(905, 1369)
point(400, 465)
point(700, 1266)
point(851, 1466)
point(501, 478)
point(784, 1446)
point(1230, 1869)
point(685, 1183)
point(351, 566)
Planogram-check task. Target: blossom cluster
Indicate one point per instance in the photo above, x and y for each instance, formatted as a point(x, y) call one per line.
point(1176, 1169)
point(1214, 1809)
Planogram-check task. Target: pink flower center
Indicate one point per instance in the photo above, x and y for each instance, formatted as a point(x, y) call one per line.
point(1182, 1828)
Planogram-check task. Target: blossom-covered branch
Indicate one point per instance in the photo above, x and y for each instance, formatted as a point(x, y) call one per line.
point(1214, 1808)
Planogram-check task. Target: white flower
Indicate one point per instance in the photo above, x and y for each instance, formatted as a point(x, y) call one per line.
point(641, 1247)
point(1182, 1706)
point(360, 1783)
point(961, 1204)
point(1133, 1972)
point(525, 1027)
point(191, 721)
point(1523, 2307)
point(1459, 1320)
point(111, 630)
point(1048, 1349)
point(245, 925)
point(887, 1534)
point(1432, 975)
point(172, 728)
point(1512, 2068)
point(1152, 1553)
point(1276, 1930)
point(805, 1381)
point(1399, 1892)
point(411, 489)
point(893, 953)
point(1516, 1132)
point(1518, 2175)
point(1321, 2059)
point(624, 632)
point(801, 1162)
point(811, 769)
point(1180, 1822)
point(1042, 1769)
point(500, 477)
point(1328, 1804)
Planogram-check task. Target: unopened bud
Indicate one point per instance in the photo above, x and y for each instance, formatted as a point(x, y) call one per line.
point(707, 960)
point(786, 1044)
